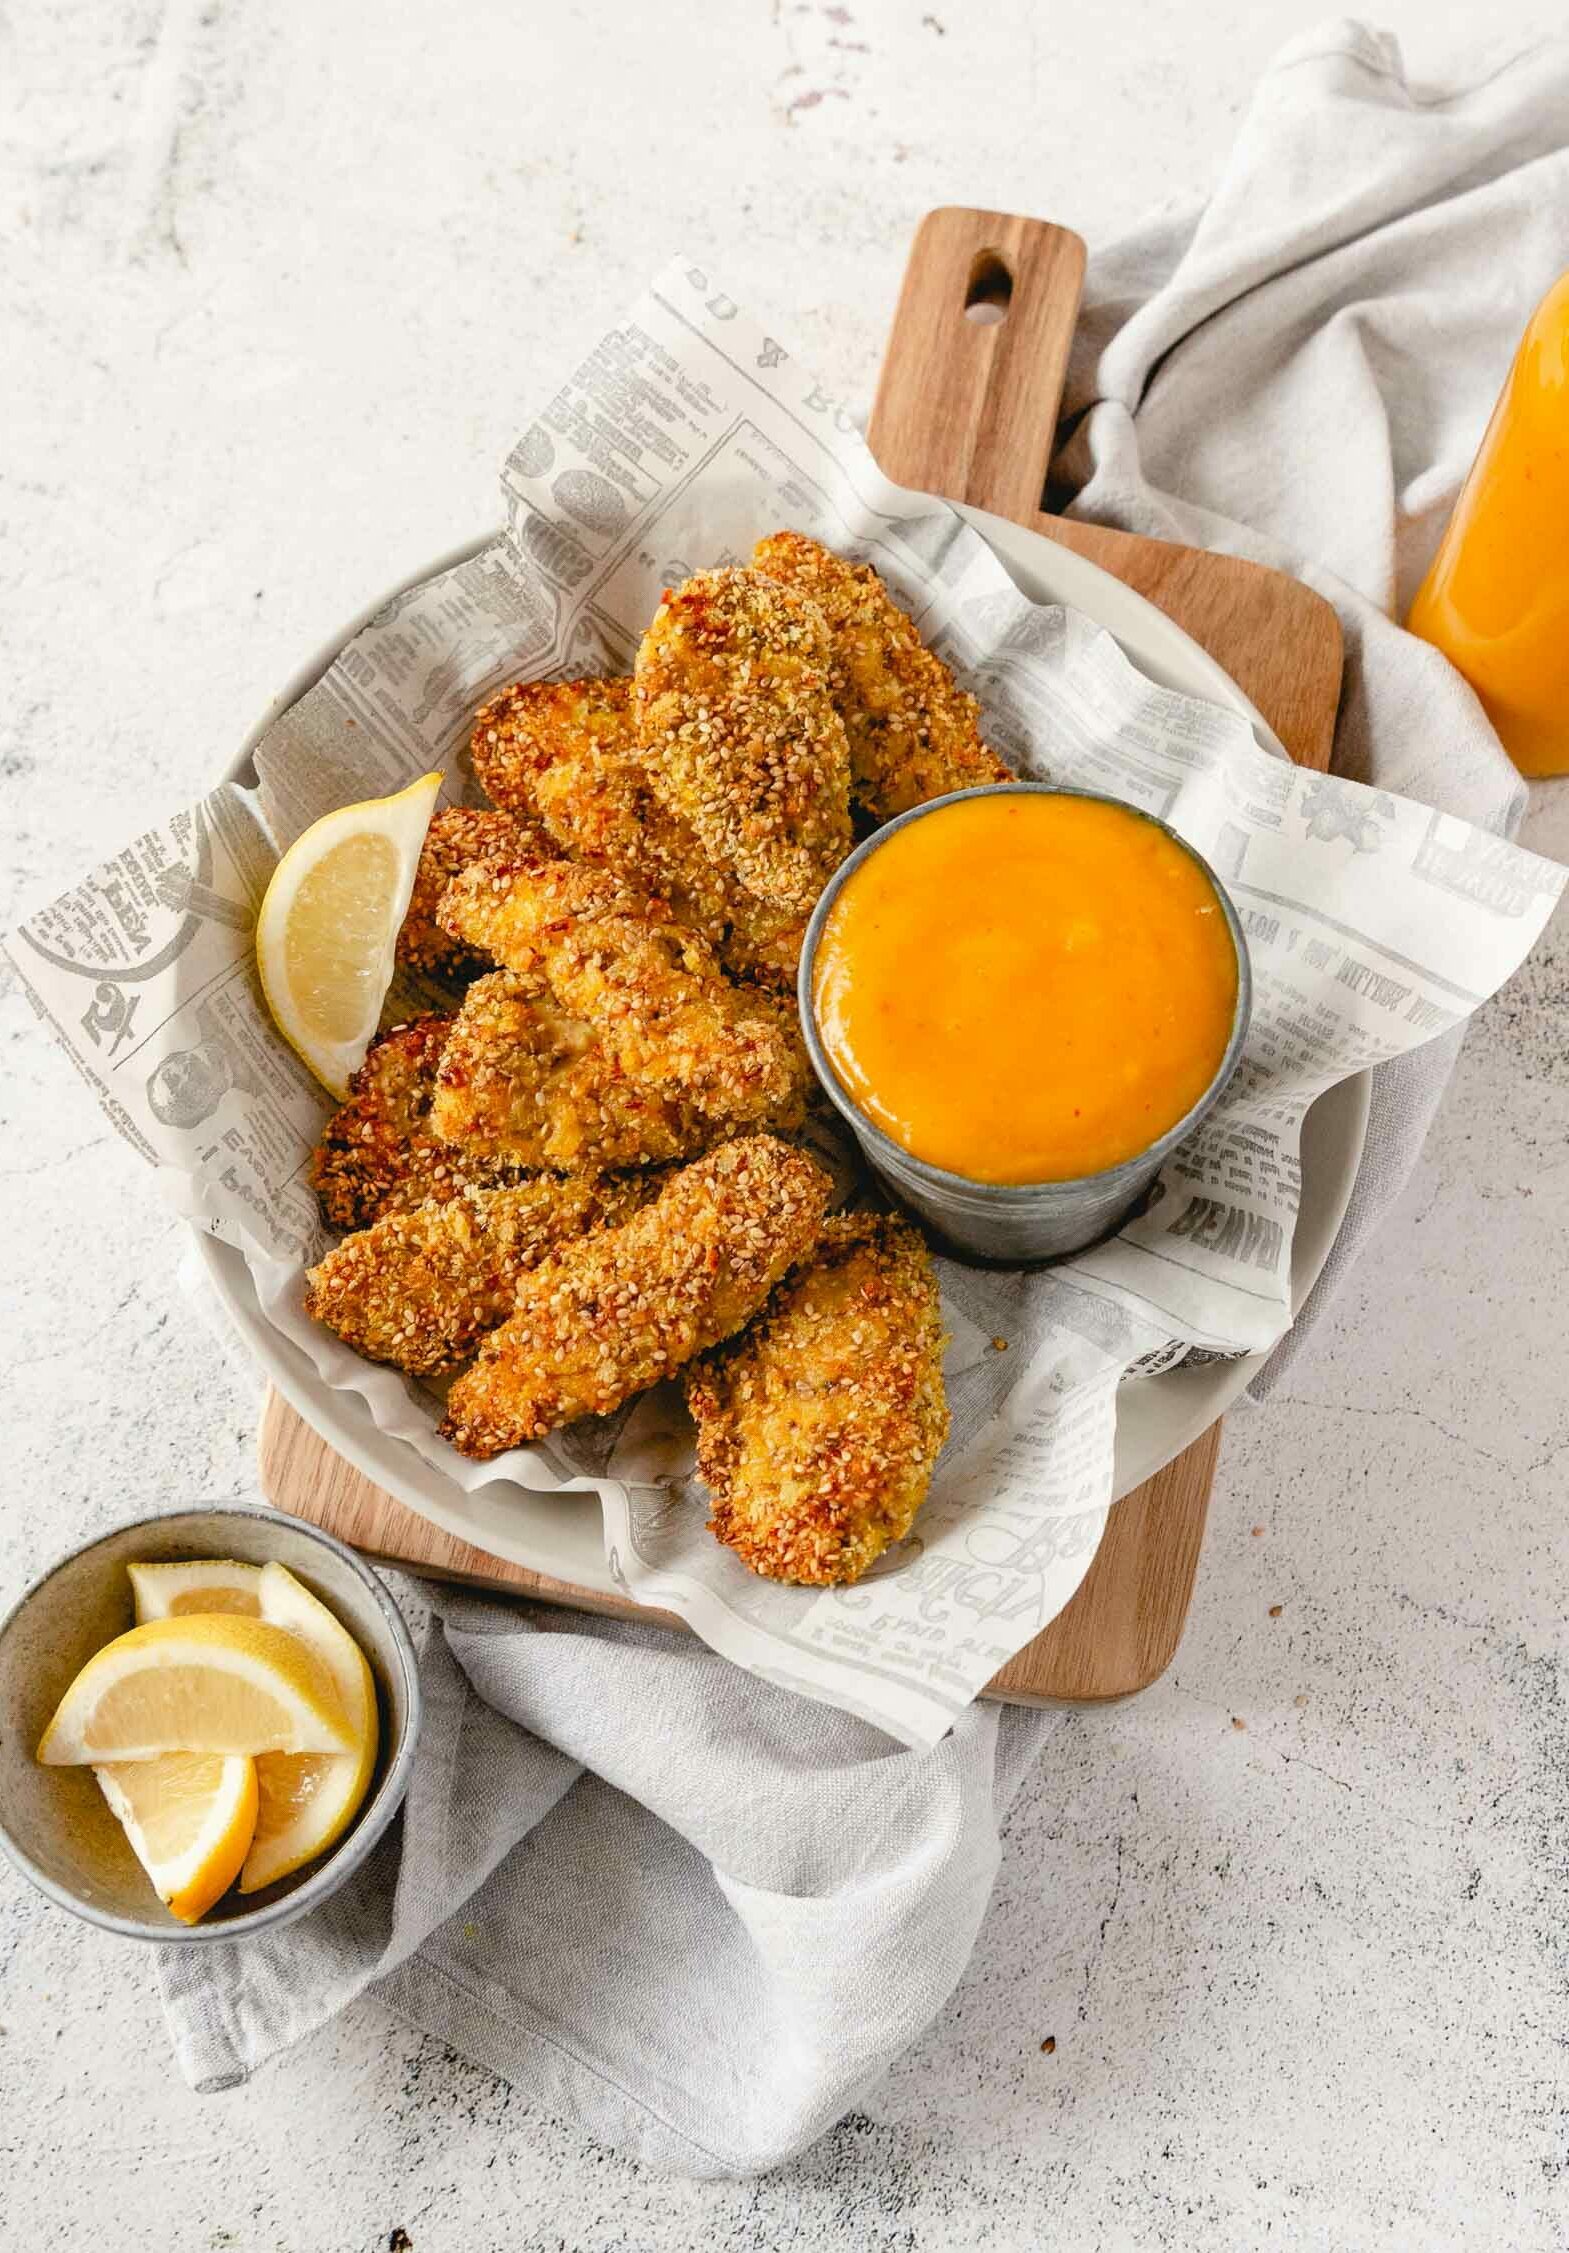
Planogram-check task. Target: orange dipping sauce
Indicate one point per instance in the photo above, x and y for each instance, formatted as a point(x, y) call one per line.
point(1026, 987)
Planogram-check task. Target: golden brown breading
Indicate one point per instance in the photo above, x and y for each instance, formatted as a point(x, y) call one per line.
point(379, 1154)
point(763, 944)
point(913, 731)
point(566, 754)
point(662, 1010)
point(817, 1429)
point(734, 711)
point(421, 1288)
point(615, 1312)
point(521, 1082)
point(457, 836)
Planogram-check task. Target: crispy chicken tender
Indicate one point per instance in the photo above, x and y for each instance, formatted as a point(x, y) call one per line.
point(615, 1312)
point(662, 1010)
point(566, 754)
point(817, 1429)
point(524, 1083)
point(763, 944)
point(379, 1153)
point(457, 835)
point(734, 711)
point(913, 732)
point(421, 1288)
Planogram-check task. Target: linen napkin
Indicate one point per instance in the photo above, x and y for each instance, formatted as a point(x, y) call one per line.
point(682, 1907)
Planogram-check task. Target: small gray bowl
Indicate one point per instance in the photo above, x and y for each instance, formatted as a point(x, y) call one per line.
point(55, 1823)
point(1008, 1221)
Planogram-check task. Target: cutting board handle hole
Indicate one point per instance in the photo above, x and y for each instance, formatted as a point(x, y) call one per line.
point(987, 299)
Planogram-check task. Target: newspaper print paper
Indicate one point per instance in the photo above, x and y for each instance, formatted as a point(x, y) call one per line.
point(1373, 924)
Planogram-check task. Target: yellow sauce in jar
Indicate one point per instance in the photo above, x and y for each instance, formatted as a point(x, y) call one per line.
point(1025, 987)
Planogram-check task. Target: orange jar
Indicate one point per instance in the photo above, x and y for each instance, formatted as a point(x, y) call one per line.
point(1496, 600)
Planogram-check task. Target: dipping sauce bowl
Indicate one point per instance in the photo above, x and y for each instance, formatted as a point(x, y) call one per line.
point(1017, 1058)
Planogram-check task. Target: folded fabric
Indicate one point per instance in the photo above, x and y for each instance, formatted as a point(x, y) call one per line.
point(690, 1911)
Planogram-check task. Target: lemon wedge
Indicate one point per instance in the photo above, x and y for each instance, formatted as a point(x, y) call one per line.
point(308, 1799)
point(215, 1584)
point(190, 1818)
point(329, 923)
point(211, 1683)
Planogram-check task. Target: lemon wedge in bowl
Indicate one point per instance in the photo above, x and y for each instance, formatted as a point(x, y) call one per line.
point(308, 1799)
point(190, 1818)
point(329, 923)
point(210, 1683)
point(215, 1584)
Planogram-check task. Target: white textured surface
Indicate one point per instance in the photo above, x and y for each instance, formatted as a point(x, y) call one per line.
point(278, 284)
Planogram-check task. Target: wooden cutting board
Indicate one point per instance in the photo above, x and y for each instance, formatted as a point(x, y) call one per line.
point(967, 408)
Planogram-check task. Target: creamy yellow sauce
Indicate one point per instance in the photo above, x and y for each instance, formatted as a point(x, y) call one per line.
point(1025, 987)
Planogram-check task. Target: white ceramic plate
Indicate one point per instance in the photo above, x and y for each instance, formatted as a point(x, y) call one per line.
point(1157, 1417)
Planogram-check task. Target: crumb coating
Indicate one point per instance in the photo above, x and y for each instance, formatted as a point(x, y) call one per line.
point(914, 734)
point(818, 1427)
point(379, 1152)
point(733, 706)
point(614, 1312)
point(526, 1084)
point(457, 835)
point(661, 1008)
point(420, 1288)
point(566, 754)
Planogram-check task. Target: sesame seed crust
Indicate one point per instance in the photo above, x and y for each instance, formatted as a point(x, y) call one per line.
point(733, 707)
point(566, 755)
point(419, 1289)
point(379, 1152)
point(662, 1011)
point(612, 1313)
point(818, 1427)
point(523, 1083)
point(913, 733)
point(457, 835)
point(532, 742)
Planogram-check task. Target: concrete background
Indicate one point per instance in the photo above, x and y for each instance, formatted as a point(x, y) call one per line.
point(280, 284)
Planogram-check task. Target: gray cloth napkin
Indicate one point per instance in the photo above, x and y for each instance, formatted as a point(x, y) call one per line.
point(688, 1910)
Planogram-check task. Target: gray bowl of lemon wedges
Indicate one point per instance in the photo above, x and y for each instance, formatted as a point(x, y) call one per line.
point(207, 1720)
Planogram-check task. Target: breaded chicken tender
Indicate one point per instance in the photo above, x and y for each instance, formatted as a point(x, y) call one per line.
point(817, 1429)
point(662, 1010)
point(420, 1288)
point(566, 754)
point(763, 944)
point(913, 732)
point(457, 835)
point(523, 1083)
point(379, 1153)
point(734, 712)
point(615, 1312)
